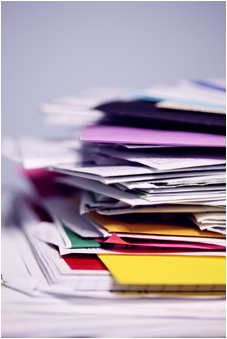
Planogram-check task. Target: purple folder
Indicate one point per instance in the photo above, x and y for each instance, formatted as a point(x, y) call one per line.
point(133, 135)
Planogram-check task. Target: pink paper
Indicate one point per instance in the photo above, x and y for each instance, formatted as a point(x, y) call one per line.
point(133, 135)
point(44, 182)
point(114, 239)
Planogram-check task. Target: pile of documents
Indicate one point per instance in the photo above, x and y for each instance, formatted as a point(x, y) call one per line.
point(129, 208)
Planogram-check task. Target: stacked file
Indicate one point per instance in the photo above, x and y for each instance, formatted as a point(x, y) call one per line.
point(134, 199)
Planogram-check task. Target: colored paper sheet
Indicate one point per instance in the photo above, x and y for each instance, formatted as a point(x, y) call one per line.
point(166, 270)
point(84, 262)
point(132, 135)
point(43, 181)
point(114, 225)
point(115, 240)
point(79, 242)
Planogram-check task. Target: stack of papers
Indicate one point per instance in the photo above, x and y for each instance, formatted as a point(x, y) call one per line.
point(132, 202)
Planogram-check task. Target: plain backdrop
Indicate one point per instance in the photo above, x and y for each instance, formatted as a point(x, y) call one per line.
point(51, 49)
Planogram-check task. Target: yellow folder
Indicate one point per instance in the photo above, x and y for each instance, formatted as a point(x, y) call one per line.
point(167, 273)
point(112, 224)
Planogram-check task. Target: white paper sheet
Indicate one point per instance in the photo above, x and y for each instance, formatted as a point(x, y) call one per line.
point(112, 176)
point(203, 240)
point(163, 208)
point(165, 161)
point(189, 183)
point(214, 227)
point(204, 217)
point(186, 91)
point(39, 153)
point(106, 171)
point(103, 189)
point(68, 213)
point(64, 251)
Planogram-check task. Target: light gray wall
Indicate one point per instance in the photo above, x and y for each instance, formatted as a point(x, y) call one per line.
point(51, 49)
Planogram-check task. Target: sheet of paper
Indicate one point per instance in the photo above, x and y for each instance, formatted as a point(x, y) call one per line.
point(98, 187)
point(220, 223)
point(110, 174)
point(39, 153)
point(143, 252)
point(204, 226)
point(211, 221)
point(195, 171)
point(177, 191)
point(188, 92)
point(196, 189)
point(209, 240)
point(68, 213)
point(199, 168)
point(72, 119)
point(48, 232)
point(106, 171)
point(132, 135)
point(171, 198)
point(209, 215)
point(168, 175)
point(217, 229)
point(163, 208)
point(167, 161)
point(115, 240)
point(187, 106)
point(70, 110)
point(195, 195)
point(219, 179)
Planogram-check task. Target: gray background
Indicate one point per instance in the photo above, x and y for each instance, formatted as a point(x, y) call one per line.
point(51, 49)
